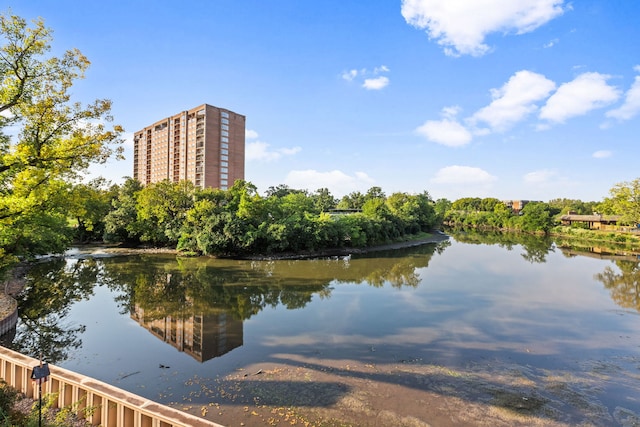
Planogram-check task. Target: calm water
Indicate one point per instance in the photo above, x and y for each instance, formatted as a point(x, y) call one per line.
point(150, 324)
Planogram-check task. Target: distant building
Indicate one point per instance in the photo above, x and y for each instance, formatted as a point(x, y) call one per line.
point(516, 205)
point(593, 222)
point(204, 145)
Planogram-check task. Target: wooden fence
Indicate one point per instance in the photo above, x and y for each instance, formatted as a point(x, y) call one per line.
point(100, 403)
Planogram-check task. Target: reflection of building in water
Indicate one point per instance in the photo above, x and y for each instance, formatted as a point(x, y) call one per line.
point(203, 337)
point(602, 253)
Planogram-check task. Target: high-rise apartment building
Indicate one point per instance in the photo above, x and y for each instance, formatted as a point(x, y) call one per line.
point(204, 145)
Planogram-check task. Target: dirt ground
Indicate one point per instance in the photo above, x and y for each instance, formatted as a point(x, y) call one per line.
point(413, 393)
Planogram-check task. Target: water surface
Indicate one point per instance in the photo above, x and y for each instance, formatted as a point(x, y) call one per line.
point(151, 324)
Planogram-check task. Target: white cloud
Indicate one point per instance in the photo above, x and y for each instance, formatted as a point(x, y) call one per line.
point(514, 100)
point(552, 43)
point(462, 25)
point(462, 175)
point(447, 131)
point(338, 182)
point(350, 75)
point(631, 106)
point(601, 154)
point(376, 83)
point(451, 112)
point(250, 134)
point(371, 80)
point(586, 92)
point(260, 151)
point(539, 177)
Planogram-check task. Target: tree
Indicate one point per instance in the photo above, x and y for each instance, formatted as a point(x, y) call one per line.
point(281, 190)
point(488, 204)
point(441, 206)
point(89, 205)
point(120, 224)
point(625, 201)
point(469, 204)
point(536, 217)
point(375, 193)
point(162, 208)
point(56, 141)
point(353, 200)
point(323, 200)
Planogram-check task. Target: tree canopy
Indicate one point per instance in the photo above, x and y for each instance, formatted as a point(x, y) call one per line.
point(624, 200)
point(46, 139)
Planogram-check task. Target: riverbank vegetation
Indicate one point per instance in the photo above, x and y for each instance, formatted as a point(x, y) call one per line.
point(239, 221)
point(623, 204)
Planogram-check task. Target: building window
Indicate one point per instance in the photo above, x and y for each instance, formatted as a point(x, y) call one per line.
point(224, 182)
point(224, 139)
point(224, 133)
point(223, 151)
point(224, 176)
point(224, 145)
point(224, 164)
point(223, 157)
point(224, 114)
point(224, 170)
point(225, 127)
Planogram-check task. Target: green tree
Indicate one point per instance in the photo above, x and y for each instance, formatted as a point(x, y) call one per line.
point(469, 204)
point(625, 201)
point(57, 138)
point(323, 200)
point(89, 205)
point(488, 204)
point(281, 190)
point(375, 193)
point(353, 200)
point(564, 206)
point(535, 216)
point(441, 206)
point(161, 210)
point(121, 224)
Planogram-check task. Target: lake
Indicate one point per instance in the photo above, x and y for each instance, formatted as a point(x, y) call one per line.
point(515, 329)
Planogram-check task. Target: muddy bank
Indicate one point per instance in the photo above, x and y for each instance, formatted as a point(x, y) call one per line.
point(412, 392)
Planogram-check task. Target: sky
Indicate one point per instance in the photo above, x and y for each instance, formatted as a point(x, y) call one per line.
point(527, 99)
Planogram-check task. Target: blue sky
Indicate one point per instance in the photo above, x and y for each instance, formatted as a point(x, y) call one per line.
point(527, 99)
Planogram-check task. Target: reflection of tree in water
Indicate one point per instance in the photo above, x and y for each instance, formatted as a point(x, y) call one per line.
point(51, 288)
point(624, 285)
point(165, 286)
point(536, 247)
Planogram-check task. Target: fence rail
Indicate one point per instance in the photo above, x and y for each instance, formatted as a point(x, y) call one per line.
point(100, 403)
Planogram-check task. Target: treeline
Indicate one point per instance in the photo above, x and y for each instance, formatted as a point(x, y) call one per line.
point(492, 213)
point(239, 221)
point(541, 217)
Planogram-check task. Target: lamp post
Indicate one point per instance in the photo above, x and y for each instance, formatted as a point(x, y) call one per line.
point(40, 374)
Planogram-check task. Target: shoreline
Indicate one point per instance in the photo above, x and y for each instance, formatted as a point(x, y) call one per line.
point(105, 249)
